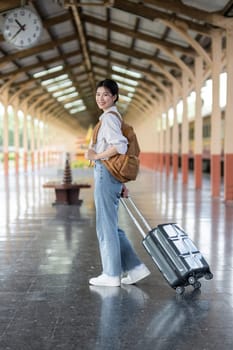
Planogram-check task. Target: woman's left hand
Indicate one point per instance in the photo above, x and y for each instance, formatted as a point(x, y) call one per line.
point(124, 192)
point(90, 154)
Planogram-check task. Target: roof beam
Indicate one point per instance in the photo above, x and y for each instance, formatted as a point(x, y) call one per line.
point(37, 49)
point(125, 64)
point(137, 35)
point(152, 14)
point(212, 19)
point(132, 53)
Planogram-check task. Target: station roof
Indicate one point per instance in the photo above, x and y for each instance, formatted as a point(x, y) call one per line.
point(143, 45)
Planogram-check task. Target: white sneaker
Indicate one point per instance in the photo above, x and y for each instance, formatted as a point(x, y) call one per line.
point(105, 280)
point(136, 274)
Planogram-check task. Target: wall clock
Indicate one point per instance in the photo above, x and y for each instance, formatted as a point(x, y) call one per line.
point(22, 28)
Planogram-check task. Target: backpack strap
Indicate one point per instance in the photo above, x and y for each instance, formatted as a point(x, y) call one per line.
point(117, 115)
point(95, 133)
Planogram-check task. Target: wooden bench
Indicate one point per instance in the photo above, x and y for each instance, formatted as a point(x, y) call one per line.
point(66, 193)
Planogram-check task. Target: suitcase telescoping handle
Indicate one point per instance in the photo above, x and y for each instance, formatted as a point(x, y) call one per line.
point(137, 211)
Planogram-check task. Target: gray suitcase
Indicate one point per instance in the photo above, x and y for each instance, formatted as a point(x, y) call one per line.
point(173, 252)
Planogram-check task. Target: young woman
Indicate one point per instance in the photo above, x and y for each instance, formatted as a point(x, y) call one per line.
point(117, 255)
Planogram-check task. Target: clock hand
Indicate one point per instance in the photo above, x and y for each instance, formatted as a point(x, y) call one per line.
point(18, 31)
point(20, 25)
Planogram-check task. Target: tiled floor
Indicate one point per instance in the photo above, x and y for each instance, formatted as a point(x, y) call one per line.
point(48, 253)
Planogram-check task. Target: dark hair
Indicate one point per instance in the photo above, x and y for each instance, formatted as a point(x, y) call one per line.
point(111, 85)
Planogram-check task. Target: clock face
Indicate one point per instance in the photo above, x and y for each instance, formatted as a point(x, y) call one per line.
point(22, 28)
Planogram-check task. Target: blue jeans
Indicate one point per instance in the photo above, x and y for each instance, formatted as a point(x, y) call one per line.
point(117, 254)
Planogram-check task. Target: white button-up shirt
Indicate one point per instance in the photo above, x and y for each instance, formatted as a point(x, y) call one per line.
point(110, 133)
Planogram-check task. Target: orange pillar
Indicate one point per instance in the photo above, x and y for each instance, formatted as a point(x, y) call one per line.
point(175, 137)
point(157, 161)
point(44, 158)
point(198, 124)
point(215, 174)
point(25, 161)
point(175, 159)
point(33, 160)
point(215, 147)
point(167, 139)
point(16, 162)
point(228, 142)
point(38, 143)
point(38, 159)
point(228, 178)
point(25, 143)
point(161, 161)
point(198, 170)
point(32, 143)
point(167, 163)
point(185, 135)
point(6, 162)
point(161, 144)
point(16, 138)
point(184, 162)
point(5, 141)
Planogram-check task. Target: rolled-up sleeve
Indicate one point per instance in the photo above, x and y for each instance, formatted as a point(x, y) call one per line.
point(113, 135)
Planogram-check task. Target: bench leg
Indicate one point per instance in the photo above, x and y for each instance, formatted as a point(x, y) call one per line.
point(67, 197)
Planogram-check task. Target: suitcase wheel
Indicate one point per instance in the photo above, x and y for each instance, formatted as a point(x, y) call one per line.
point(191, 280)
point(197, 285)
point(209, 276)
point(180, 290)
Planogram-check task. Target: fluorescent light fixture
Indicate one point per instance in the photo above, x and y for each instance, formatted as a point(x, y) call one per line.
point(65, 97)
point(123, 105)
point(47, 71)
point(54, 80)
point(78, 109)
point(126, 87)
point(73, 104)
point(124, 80)
point(59, 86)
point(126, 71)
point(125, 98)
point(66, 91)
point(62, 89)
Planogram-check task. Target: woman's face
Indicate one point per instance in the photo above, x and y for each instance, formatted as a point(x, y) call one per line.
point(104, 98)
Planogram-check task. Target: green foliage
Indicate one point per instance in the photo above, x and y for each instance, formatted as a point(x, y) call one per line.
point(10, 157)
point(80, 163)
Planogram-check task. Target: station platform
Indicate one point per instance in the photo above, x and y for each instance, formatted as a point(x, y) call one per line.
point(48, 253)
